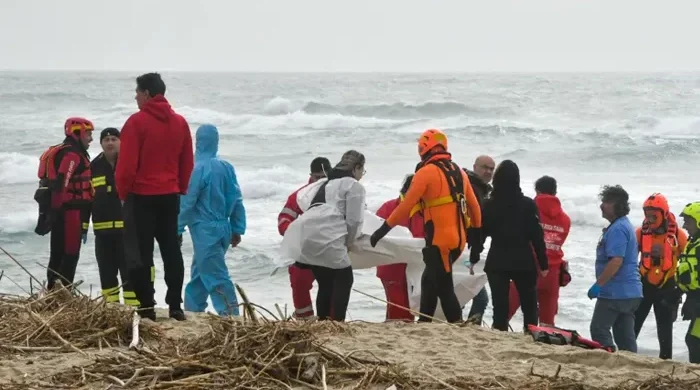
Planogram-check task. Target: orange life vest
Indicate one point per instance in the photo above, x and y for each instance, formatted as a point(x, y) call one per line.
point(79, 187)
point(658, 270)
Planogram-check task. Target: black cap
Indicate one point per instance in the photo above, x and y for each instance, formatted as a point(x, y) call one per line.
point(320, 165)
point(109, 131)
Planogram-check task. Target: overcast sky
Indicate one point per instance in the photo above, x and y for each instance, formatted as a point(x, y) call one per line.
point(351, 35)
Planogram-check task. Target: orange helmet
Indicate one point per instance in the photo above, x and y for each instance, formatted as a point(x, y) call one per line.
point(657, 201)
point(75, 127)
point(430, 139)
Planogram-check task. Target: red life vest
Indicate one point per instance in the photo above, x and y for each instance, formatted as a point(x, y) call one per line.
point(79, 187)
point(658, 270)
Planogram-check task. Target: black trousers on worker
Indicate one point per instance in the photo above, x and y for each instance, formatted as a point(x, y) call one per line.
point(334, 286)
point(665, 301)
point(436, 282)
point(111, 261)
point(66, 235)
point(149, 217)
point(526, 284)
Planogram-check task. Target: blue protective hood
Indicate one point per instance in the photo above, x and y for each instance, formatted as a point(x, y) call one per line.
point(207, 145)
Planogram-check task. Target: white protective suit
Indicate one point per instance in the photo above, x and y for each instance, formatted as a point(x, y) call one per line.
point(327, 230)
point(398, 246)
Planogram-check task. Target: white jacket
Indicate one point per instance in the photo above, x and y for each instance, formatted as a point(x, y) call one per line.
point(326, 230)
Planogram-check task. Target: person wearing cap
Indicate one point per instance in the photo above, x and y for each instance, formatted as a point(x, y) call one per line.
point(302, 280)
point(329, 228)
point(107, 222)
point(213, 211)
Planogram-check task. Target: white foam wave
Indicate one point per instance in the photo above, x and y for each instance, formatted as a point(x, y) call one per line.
point(275, 182)
point(20, 221)
point(18, 168)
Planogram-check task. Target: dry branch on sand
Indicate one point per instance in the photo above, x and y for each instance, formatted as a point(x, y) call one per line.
point(231, 354)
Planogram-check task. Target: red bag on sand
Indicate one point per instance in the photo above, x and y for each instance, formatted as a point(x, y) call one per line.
point(557, 336)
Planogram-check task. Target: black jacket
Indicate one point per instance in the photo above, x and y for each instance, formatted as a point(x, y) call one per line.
point(512, 221)
point(481, 190)
point(106, 208)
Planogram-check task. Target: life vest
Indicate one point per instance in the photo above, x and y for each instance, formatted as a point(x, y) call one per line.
point(658, 270)
point(79, 187)
point(557, 336)
point(687, 271)
point(455, 181)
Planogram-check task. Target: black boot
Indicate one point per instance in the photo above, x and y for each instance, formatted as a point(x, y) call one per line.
point(177, 314)
point(149, 313)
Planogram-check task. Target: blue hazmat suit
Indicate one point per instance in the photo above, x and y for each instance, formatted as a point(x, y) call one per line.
point(213, 211)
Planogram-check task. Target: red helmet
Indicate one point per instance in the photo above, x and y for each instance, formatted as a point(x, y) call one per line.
point(657, 201)
point(430, 139)
point(76, 126)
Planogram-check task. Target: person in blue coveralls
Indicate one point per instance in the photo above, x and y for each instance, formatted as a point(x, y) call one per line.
point(214, 213)
point(618, 285)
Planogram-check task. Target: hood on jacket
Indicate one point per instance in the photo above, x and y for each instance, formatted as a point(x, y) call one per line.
point(207, 145)
point(549, 205)
point(506, 180)
point(158, 107)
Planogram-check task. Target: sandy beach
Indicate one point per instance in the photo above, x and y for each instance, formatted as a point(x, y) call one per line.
point(54, 349)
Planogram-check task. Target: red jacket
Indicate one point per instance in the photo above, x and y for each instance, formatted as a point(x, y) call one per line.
point(556, 225)
point(414, 225)
point(155, 156)
point(290, 211)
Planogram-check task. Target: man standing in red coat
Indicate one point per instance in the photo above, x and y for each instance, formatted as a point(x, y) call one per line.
point(302, 280)
point(393, 276)
point(153, 170)
point(556, 224)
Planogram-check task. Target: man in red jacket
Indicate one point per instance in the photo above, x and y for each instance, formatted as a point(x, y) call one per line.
point(393, 276)
point(302, 280)
point(556, 224)
point(154, 168)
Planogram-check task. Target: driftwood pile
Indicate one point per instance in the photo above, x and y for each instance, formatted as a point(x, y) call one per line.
point(233, 354)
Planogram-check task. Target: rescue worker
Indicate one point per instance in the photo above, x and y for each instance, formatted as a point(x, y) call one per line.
point(450, 209)
point(107, 222)
point(688, 280)
point(660, 243)
point(480, 178)
point(154, 169)
point(393, 276)
point(330, 226)
point(65, 194)
point(301, 280)
point(517, 246)
point(213, 210)
point(556, 225)
point(618, 287)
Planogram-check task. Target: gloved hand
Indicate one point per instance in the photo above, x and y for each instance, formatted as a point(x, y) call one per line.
point(474, 256)
point(379, 234)
point(179, 239)
point(594, 291)
point(84, 237)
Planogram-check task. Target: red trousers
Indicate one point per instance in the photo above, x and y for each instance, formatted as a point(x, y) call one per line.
point(393, 277)
point(302, 280)
point(547, 297)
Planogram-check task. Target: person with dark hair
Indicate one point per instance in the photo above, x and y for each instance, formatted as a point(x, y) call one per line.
point(511, 219)
point(107, 222)
point(329, 228)
point(480, 178)
point(393, 276)
point(301, 280)
point(154, 169)
point(618, 286)
point(555, 224)
point(452, 219)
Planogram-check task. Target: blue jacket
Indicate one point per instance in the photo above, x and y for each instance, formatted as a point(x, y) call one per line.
point(214, 197)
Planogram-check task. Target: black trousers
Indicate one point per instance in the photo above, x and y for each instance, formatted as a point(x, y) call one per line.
point(665, 301)
point(525, 283)
point(111, 261)
point(66, 232)
point(436, 282)
point(334, 286)
point(149, 217)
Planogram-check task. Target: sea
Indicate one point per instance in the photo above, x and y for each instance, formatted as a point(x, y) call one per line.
point(641, 131)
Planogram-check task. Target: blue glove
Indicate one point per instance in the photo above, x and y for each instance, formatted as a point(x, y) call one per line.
point(84, 237)
point(594, 291)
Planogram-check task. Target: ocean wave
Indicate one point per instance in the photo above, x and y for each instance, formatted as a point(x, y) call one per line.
point(402, 110)
point(18, 168)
